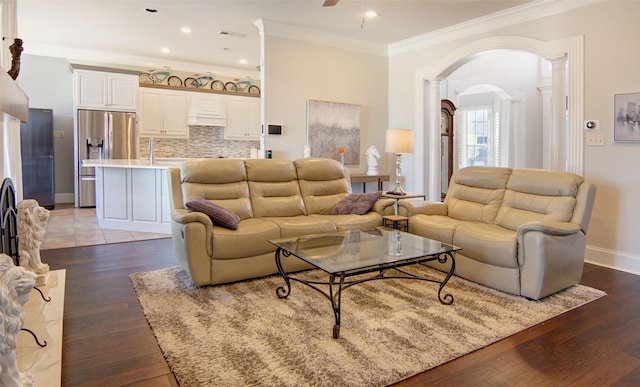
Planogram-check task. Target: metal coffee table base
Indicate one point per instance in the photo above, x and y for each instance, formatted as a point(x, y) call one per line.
point(338, 281)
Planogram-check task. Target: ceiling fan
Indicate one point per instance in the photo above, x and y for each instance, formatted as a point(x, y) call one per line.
point(330, 3)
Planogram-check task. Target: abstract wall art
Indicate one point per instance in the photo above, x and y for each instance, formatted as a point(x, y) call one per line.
point(627, 117)
point(332, 126)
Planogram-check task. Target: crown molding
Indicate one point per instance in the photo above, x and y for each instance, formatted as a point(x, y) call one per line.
point(526, 12)
point(309, 35)
point(128, 62)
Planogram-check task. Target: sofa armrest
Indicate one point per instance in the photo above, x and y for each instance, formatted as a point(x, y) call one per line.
point(184, 216)
point(192, 234)
point(551, 228)
point(413, 207)
point(384, 206)
point(550, 256)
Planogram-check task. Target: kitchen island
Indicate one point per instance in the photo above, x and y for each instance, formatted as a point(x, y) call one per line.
point(133, 195)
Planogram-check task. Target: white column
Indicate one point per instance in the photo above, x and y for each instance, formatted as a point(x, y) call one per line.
point(547, 140)
point(9, 30)
point(518, 136)
point(506, 126)
point(558, 130)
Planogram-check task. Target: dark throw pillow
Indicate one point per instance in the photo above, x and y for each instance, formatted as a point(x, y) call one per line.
point(356, 203)
point(218, 214)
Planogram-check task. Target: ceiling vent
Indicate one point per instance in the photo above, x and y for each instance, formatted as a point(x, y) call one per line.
point(230, 33)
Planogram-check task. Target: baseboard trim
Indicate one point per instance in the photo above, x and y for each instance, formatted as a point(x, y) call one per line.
point(613, 259)
point(64, 198)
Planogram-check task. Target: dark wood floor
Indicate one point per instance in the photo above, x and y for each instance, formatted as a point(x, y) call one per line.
point(107, 341)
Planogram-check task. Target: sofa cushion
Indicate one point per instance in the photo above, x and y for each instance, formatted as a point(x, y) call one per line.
point(544, 182)
point(352, 222)
point(487, 243)
point(250, 239)
point(302, 225)
point(218, 214)
point(538, 195)
point(356, 203)
point(475, 193)
point(438, 227)
point(273, 188)
point(323, 183)
point(200, 171)
point(228, 187)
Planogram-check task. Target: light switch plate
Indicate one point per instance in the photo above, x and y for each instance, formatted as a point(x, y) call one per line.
point(595, 140)
point(58, 133)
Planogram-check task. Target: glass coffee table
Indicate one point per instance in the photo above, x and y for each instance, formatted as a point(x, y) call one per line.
point(370, 254)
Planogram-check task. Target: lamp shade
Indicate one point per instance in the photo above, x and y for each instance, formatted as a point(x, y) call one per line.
point(399, 141)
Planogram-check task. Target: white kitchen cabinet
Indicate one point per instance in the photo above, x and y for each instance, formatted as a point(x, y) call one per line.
point(243, 118)
point(206, 109)
point(105, 91)
point(162, 113)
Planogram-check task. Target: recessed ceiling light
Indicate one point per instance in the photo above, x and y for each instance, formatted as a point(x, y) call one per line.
point(185, 30)
point(165, 50)
point(371, 14)
point(151, 10)
point(243, 61)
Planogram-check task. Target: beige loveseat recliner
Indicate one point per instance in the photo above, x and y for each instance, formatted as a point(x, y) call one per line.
point(521, 231)
point(272, 198)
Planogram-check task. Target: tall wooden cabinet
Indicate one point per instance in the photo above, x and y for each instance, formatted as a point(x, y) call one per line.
point(447, 110)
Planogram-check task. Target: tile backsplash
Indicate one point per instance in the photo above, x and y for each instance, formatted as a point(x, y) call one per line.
point(203, 141)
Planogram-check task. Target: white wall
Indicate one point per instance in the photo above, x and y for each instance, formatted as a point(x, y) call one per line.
point(610, 67)
point(294, 72)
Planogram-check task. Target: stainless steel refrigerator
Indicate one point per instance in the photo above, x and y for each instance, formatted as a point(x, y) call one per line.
point(102, 135)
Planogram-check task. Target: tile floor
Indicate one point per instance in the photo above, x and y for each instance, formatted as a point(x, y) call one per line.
point(69, 227)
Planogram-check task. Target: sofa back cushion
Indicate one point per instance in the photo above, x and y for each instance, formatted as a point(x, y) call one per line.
point(323, 183)
point(222, 181)
point(273, 188)
point(538, 195)
point(475, 193)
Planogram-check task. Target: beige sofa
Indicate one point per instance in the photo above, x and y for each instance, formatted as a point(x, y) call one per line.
point(272, 198)
point(521, 231)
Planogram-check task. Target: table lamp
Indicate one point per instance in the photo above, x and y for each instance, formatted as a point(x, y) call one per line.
point(399, 141)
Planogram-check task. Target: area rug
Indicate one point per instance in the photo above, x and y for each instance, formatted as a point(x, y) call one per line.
point(242, 334)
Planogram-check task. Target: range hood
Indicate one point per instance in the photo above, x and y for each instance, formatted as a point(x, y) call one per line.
point(205, 109)
point(206, 121)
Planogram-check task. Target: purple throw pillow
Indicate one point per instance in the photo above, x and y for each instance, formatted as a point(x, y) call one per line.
point(218, 214)
point(356, 203)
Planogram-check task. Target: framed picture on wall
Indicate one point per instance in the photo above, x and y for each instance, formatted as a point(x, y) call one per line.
point(626, 125)
point(333, 131)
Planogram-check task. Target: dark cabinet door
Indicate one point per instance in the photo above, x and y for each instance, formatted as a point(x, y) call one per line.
point(36, 146)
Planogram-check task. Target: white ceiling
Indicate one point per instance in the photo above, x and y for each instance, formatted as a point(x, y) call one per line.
point(123, 27)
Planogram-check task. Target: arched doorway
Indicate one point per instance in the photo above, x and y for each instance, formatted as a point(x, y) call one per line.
point(567, 58)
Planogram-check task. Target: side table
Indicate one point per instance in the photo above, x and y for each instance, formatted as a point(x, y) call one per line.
point(396, 222)
point(364, 179)
point(408, 195)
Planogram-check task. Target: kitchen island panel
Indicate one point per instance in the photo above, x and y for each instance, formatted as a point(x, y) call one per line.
point(112, 202)
point(132, 196)
point(145, 184)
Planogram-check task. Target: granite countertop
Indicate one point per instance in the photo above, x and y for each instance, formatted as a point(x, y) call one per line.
point(136, 163)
